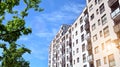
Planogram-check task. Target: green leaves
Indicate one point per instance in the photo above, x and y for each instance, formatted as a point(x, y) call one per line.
point(13, 29)
point(13, 56)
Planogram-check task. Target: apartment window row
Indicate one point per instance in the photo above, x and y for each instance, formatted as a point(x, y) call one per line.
point(82, 37)
point(76, 41)
point(111, 61)
point(101, 9)
point(77, 60)
point(103, 46)
point(103, 20)
point(77, 51)
point(84, 58)
point(105, 32)
point(81, 29)
point(98, 1)
point(81, 20)
point(91, 7)
point(76, 24)
point(76, 33)
point(92, 17)
point(83, 47)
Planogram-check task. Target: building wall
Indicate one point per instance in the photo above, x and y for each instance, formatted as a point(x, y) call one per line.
point(66, 49)
point(108, 47)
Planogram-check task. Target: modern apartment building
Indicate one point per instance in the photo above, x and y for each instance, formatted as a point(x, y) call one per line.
point(60, 51)
point(93, 40)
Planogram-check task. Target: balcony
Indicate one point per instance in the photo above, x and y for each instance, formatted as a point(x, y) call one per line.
point(116, 15)
point(117, 28)
point(86, 18)
point(88, 37)
point(111, 2)
point(89, 47)
point(90, 58)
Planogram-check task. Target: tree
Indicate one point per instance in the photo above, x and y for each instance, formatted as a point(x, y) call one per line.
point(11, 31)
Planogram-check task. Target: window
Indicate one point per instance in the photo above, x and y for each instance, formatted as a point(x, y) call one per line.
point(103, 47)
point(106, 31)
point(99, 1)
point(95, 2)
point(108, 44)
point(98, 63)
point(92, 16)
point(83, 47)
point(67, 65)
point(66, 36)
point(72, 28)
point(67, 58)
point(93, 27)
point(99, 22)
point(102, 8)
point(78, 60)
point(81, 20)
point(96, 50)
point(97, 12)
point(82, 37)
point(81, 28)
point(89, 1)
point(77, 41)
point(67, 50)
point(104, 19)
point(100, 33)
point(111, 60)
point(76, 33)
point(85, 66)
point(105, 61)
point(74, 61)
point(84, 58)
point(91, 7)
point(77, 50)
point(76, 25)
point(73, 44)
point(73, 52)
point(95, 37)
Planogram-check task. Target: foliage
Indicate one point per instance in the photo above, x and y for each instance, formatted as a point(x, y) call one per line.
point(13, 29)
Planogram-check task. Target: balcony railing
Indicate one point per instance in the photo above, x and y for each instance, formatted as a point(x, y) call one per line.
point(116, 14)
point(90, 58)
point(88, 37)
point(111, 2)
point(117, 27)
point(86, 18)
point(87, 26)
point(89, 47)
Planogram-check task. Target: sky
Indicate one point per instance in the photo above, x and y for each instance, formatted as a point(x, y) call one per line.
point(45, 25)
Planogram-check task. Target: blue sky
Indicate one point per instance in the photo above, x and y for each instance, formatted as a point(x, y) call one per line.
point(45, 25)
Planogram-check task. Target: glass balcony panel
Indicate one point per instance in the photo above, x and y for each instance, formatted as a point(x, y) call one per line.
point(117, 27)
point(116, 15)
point(90, 58)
